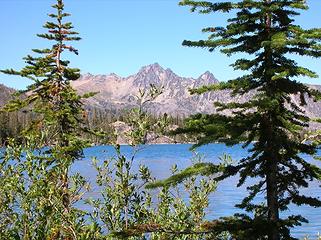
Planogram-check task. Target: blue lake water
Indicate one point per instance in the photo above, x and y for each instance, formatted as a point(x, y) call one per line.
point(160, 158)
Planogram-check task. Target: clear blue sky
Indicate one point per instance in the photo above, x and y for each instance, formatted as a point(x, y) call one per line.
point(120, 36)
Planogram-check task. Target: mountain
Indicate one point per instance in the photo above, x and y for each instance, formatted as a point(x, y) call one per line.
point(117, 92)
point(5, 94)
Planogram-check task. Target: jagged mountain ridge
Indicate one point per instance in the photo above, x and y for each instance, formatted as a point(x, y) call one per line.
point(117, 92)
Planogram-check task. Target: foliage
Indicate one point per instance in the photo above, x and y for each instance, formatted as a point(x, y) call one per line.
point(122, 202)
point(37, 191)
point(139, 119)
point(181, 207)
point(126, 209)
point(308, 238)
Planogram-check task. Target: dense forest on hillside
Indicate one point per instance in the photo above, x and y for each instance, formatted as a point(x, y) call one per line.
point(102, 120)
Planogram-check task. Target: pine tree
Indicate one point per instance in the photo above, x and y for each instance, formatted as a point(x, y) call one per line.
point(5, 131)
point(50, 144)
point(269, 125)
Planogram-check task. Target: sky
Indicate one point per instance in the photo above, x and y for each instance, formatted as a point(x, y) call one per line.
point(121, 36)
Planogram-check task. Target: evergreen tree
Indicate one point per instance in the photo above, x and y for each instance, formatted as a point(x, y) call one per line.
point(268, 125)
point(5, 131)
point(37, 188)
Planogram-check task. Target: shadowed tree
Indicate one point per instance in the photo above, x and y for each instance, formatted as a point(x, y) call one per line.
point(269, 125)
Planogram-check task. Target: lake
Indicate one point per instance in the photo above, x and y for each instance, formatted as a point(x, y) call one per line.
point(160, 158)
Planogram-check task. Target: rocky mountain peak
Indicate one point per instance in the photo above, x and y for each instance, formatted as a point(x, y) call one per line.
point(117, 93)
point(208, 78)
point(153, 74)
point(113, 75)
point(85, 76)
point(152, 68)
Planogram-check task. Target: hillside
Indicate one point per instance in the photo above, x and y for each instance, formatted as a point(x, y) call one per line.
point(5, 94)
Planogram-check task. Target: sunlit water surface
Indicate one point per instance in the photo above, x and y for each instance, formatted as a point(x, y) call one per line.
point(160, 158)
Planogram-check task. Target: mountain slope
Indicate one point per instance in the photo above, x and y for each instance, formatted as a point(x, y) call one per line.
point(5, 94)
point(116, 92)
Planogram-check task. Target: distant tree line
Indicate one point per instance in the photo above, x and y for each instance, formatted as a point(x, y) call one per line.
point(12, 123)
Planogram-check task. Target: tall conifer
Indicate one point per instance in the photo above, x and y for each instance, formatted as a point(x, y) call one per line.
point(268, 125)
point(44, 196)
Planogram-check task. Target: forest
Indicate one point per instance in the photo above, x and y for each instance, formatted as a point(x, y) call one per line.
point(46, 128)
point(101, 120)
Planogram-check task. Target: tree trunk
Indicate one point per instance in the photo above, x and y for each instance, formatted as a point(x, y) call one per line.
point(272, 199)
point(272, 161)
point(271, 179)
